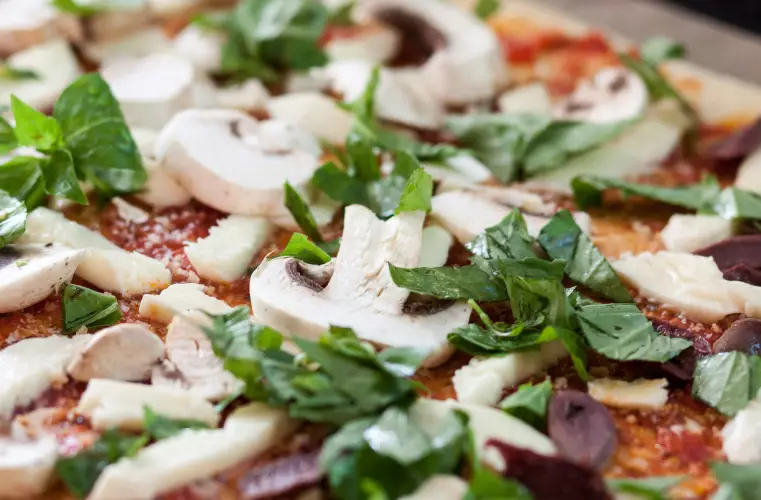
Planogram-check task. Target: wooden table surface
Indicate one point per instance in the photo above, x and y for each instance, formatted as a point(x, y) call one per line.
point(712, 44)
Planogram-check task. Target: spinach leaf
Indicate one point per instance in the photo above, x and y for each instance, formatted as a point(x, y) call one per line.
point(10, 73)
point(507, 240)
point(487, 485)
point(8, 140)
point(647, 488)
point(301, 248)
point(85, 307)
point(159, 427)
point(738, 482)
point(563, 239)
point(417, 193)
point(301, 213)
point(484, 9)
point(80, 472)
point(34, 129)
point(452, 283)
point(98, 138)
point(622, 332)
point(22, 178)
point(12, 219)
point(727, 381)
point(659, 49)
point(530, 403)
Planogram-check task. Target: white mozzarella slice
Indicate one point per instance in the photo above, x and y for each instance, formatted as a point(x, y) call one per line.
point(202, 47)
point(111, 403)
point(315, 112)
point(642, 393)
point(26, 23)
point(434, 251)
point(483, 379)
point(250, 95)
point(55, 64)
point(532, 98)
point(687, 232)
point(139, 44)
point(30, 366)
point(194, 454)
point(30, 273)
point(152, 89)
point(129, 212)
point(178, 299)
point(749, 173)
point(162, 190)
point(440, 487)
point(742, 435)
point(227, 252)
point(121, 352)
point(104, 264)
point(26, 467)
point(373, 42)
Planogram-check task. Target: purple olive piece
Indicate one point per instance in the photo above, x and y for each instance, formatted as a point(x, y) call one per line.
point(278, 478)
point(737, 145)
point(736, 250)
point(741, 272)
point(744, 336)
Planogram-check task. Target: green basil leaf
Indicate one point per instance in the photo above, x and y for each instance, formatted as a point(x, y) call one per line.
point(734, 203)
point(13, 74)
point(576, 347)
point(340, 186)
point(498, 339)
point(484, 9)
point(98, 138)
point(12, 219)
point(362, 161)
point(402, 361)
point(61, 177)
point(727, 381)
point(452, 283)
point(80, 472)
point(487, 485)
point(85, 307)
point(159, 427)
point(405, 164)
point(659, 49)
point(8, 140)
point(417, 193)
point(738, 482)
point(647, 488)
point(301, 213)
point(301, 248)
point(563, 239)
point(530, 403)
point(507, 240)
point(21, 177)
point(34, 129)
point(90, 8)
point(622, 332)
point(535, 288)
point(384, 195)
point(343, 14)
point(331, 247)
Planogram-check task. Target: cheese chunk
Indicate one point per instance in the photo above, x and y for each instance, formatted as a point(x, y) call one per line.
point(26, 467)
point(227, 252)
point(690, 284)
point(111, 403)
point(483, 379)
point(30, 366)
point(687, 233)
point(649, 394)
point(129, 212)
point(742, 435)
point(440, 487)
point(178, 299)
point(315, 112)
point(105, 265)
point(532, 98)
point(194, 454)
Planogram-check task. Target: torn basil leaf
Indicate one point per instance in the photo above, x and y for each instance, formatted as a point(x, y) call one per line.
point(417, 193)
point(484, 9)
point(299, 247)
point(530, 403)
point(8, 140)
point(563, 239)
point(451, 283)
point(301, 213)
point(727, 381)
point(507, 240)
point(535, 288)
point(487, 485)
point(84, 307)
point(622, 332)
point(33, 129)
point(646, 488)
point(343, 14)
point(498, 339)
point(659, 49)
point(159, 427)
point(10, 73)
point(12, 219)
point(737, 482)
point(22, 178)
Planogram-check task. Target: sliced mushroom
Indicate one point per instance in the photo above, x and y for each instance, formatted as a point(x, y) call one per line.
point(359, 293)
point(283, 477)
point(121, 352)
point(462, 59)
point(372, 42)
point(744, 336)
point(139, 44)
point(581, 428)
point(531, 98)
point(434, 250)
point(27, 23)
point(161, 190)
point(733, 251)
point(30, 273)
point(615, 94)
point(235, 163)
point(118, 22)
point(202, 47)
point(250, 95)
point(315, 112)
point(192, 364)
point(26, 467)
point(641, 393)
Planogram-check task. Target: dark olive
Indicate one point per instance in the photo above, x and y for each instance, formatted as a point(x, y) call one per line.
point(581, 428)
point(736, 250)
point(701, 345)
point(278, 478)
point(737, 145)
point(744, 273)
point(743, 336)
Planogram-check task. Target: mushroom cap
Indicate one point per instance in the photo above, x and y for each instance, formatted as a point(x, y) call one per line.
point(743, 335)
point(235, 163)
point(127, 351)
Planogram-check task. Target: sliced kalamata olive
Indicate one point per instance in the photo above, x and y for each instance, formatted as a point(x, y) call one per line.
point(738, 145)
point(743, 336)
point(736, 250)
point(549, 477)
point(701, 345)
point(682, 367)
point(282, 476)
point(581, 428)
point(741, 272)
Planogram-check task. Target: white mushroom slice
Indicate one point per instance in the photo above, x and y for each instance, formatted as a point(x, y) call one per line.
point(30, 366)
point(532, 98)
point(26, 467)
point(152, 89)
point(26, 23)
point(227, 252)
point(440, 487)
point(140, 44)
point(104, 264)
point(178, 299)
point(642, 393)
point(30, 273)
point(111, 403)
point(457, 172)
point(614, 95)
point(314, 80)
point(121, 352)
point(483, 379)
point(194, 454)
point(690, 284)
point(202, 47)
point(401, 97)
point(235, 163)
point(55, 64)
point(742, 435)
point(250, 95)
point(192, 364)
point(434, 250)
point(687, 232)
point(129, 212)
point(749, 173)
point(294, 298)
point(467, 64)
point(370, 42)
point(162, 190)
point(314, 112)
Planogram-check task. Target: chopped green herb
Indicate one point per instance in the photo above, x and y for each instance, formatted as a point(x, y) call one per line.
point(484, 9)
point(12, 219)
point(11, 73)
point(34, 129)
point(159, 427)
point(301, 248)
point(737, 482)
point(487, 485)
point(22, 263)
point(507, 240)
point(343, 14)
point(301, 213)
point(727, 381)
point(88, 308)
point(659, 49)
point(646, 488)
point(530, 403)
point(8, 140)
point(22, 178)
point(417, 193)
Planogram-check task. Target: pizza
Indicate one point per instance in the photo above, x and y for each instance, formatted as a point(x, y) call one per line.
point(287, 249)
